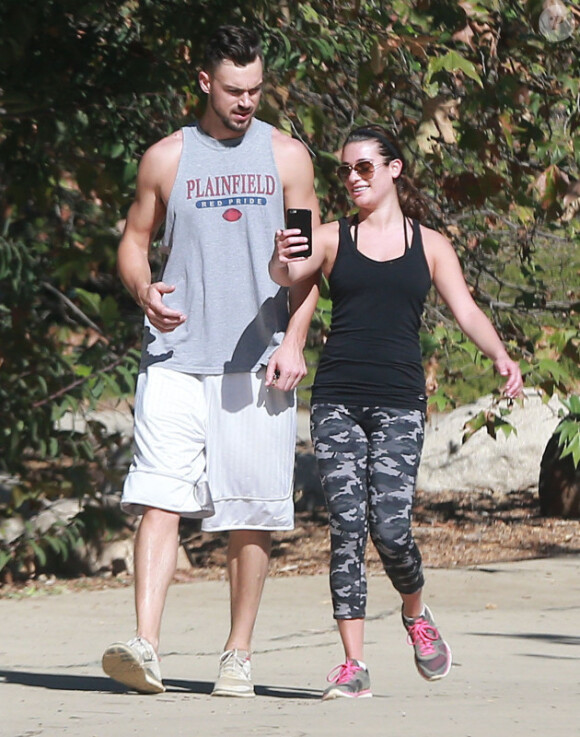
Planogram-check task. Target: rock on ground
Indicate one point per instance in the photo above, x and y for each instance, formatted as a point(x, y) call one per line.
point(502, 465)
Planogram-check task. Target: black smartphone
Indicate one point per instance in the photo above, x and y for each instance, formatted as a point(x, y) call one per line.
point(301, 219)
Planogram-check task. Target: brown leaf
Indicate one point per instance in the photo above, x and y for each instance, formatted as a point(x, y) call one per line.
point(465, 35)
point(551, 186)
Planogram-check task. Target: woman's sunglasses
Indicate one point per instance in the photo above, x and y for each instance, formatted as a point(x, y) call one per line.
point(365, 170)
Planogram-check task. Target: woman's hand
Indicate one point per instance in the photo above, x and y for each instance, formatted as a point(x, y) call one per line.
point(289, 243)
point(514, 384)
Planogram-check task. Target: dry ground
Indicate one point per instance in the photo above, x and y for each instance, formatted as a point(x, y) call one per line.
point(452, 529)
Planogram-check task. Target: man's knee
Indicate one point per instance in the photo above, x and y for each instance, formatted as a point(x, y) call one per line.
point(158, 523)
point(239, 539)
point(164, 517)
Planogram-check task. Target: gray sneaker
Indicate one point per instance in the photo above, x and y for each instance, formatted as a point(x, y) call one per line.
point(235, 675)
point(134, 664)
point(350, 680)
point(432, 653)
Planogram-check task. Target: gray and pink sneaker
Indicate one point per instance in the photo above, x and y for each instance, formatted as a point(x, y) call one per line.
point(350, 680)
point(432, 653)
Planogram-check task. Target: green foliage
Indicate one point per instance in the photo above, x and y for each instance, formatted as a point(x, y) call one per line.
point(491, 421)
point(486, 110)
point(569, 430)
point(32, 549)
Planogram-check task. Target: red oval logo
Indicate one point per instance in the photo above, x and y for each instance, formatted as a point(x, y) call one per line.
point(232, 215)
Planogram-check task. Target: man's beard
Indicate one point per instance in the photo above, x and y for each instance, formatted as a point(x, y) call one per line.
point(231, 125)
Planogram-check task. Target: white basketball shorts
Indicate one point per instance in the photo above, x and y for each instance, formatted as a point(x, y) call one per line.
point(227, 431)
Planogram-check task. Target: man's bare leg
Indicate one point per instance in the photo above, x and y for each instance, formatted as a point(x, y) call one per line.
point(248, 556)
point(135, 663)
point(156, 546)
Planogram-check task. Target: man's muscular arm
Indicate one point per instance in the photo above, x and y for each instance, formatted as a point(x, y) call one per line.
point(154, 181)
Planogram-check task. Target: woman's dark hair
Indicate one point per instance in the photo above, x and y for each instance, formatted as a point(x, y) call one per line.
point(235, 43)
point(412, 202)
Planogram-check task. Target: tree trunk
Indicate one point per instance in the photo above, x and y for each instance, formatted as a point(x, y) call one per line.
point(559, 484)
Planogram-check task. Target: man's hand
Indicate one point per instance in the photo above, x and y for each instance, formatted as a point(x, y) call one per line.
point(286, 368)
point(160, 316)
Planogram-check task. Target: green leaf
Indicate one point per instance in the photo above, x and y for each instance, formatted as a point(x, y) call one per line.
point(524, 214)
point(473, 425)
point(572, 448)
point(91, 301)
point(452, 61)
point(440, 401)
point(55, 543)
point(572, 404)
point(38, 552)
point(127, 376)
point(109, 311)
point(556, 370)
point(499, 423)
point(84, 371)
point(117, 150)
point(5, 558)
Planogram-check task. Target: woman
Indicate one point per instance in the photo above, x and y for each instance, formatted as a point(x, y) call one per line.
point(368, 398)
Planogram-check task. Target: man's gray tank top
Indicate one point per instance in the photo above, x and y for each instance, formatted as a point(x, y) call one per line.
point(224, 208)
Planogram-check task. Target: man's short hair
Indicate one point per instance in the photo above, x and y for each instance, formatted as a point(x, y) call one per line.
point(235, 43)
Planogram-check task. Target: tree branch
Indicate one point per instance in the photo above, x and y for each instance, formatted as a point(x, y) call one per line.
point(72, 307)
point(78, 382)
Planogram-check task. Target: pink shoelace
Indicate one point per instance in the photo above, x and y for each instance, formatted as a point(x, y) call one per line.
point(423, 634)
point(345, 672)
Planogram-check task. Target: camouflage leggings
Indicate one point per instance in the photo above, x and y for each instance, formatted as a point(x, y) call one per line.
point(368, 459)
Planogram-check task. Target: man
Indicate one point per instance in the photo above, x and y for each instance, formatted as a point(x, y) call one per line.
point(214, 404)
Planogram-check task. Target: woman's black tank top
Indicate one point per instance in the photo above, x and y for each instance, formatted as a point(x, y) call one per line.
point(373, 355)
